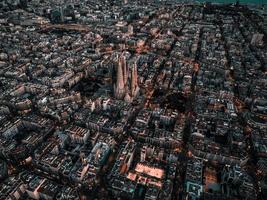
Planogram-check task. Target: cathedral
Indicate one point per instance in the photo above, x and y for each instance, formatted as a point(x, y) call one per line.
point(125, 81)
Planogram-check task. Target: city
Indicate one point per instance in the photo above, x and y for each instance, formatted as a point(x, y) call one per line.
point(132, 100)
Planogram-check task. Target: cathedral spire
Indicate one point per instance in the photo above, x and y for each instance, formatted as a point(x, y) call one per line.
point(134, 80)
point(120, 86)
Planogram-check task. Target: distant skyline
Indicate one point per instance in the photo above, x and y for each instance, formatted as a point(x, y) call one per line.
point(241, 1)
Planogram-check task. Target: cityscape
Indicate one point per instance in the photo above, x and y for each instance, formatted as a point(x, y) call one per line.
point(133, 100)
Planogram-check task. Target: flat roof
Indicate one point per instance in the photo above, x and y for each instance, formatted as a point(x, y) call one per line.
point(151, 171)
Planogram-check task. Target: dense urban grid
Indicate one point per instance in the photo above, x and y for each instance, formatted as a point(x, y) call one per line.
point(145, 100)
